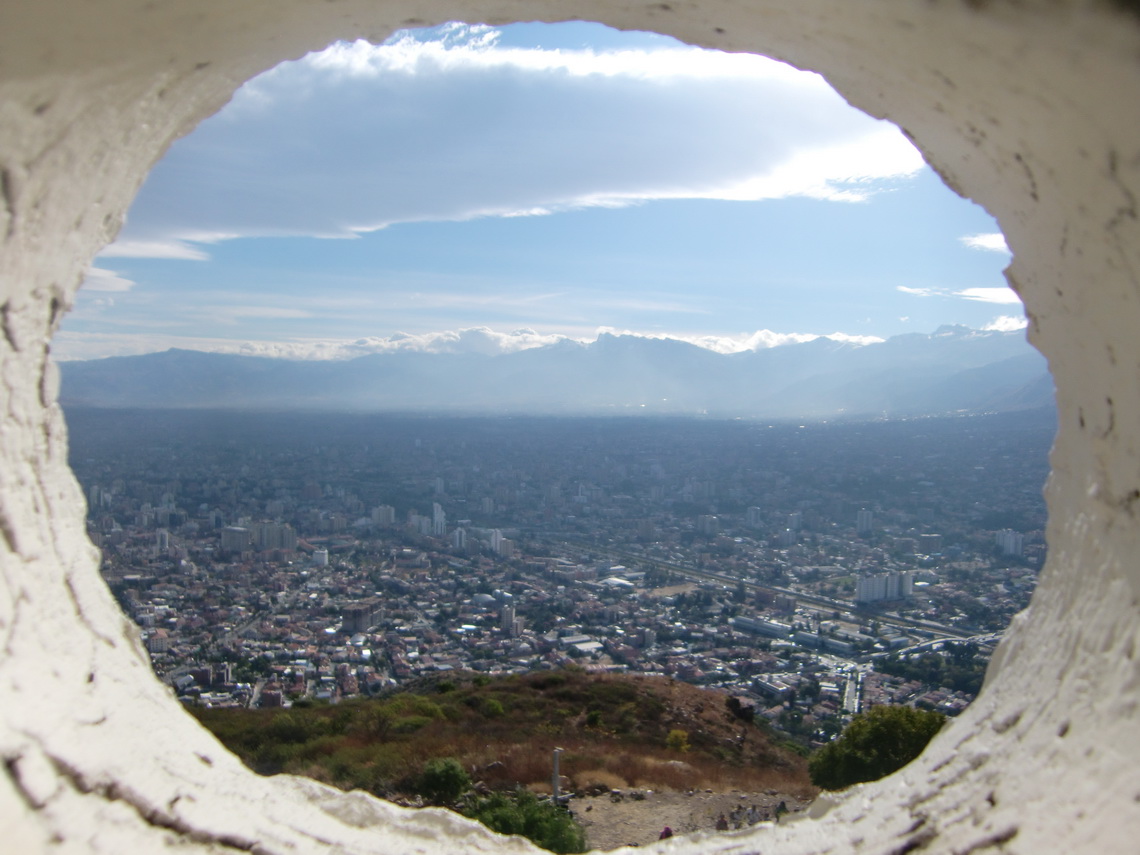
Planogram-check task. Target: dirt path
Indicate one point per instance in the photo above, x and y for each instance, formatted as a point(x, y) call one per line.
point(610, 824)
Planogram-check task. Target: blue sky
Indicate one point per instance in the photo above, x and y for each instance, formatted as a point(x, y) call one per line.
point(470, 188)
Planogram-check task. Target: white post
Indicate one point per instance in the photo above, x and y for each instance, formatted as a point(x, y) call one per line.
point(554, 781)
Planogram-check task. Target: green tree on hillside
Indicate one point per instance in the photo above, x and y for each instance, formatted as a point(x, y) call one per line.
point(677, 740)
point(544, 824)
point(875, 744)
point(443, 781)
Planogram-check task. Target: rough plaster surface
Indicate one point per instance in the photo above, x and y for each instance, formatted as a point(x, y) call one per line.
point(1031, 108)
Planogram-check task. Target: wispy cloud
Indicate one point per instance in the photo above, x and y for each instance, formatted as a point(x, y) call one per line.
point(362, 136)
point(991, 242)
point(100, 279)
point(645, 305)
point(1005, 296)
point(171, 248)
point(920, 292)
point(231, 315)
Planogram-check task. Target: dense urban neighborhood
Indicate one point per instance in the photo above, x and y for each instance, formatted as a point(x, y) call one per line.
point(811, 570)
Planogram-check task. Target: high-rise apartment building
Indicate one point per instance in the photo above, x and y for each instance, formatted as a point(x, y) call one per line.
point(236, 538)
point(1010, 542)
point(384, 515)
point(267, 535)
point(896, 585)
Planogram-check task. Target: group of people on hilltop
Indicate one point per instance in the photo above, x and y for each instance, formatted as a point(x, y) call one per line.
point(739, 816)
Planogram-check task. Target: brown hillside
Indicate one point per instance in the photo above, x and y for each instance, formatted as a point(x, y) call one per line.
point(614, 729)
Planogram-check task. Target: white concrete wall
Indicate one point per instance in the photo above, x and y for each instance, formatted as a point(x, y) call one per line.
point(1031, 108)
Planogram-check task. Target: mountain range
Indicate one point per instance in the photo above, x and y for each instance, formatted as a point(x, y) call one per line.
point(954, 369)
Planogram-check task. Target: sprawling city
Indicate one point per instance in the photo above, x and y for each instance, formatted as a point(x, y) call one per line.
point(815, 569)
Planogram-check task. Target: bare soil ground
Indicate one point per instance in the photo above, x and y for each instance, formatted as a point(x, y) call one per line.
point(610, 824)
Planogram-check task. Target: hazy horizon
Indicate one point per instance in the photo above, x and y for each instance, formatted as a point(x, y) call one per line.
point(484, 341)
point(955, 370)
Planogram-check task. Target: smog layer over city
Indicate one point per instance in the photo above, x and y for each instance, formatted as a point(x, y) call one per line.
point(329, 556)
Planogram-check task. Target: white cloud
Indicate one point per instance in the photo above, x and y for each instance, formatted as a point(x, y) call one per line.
point(855, 339)
point(360, 137)
point(153, 249)
point(69, 345)
point(475, 340)
point(99, 279)
point(991, 242)
point(1005, 296)
point(484, 341)
point(920, 292)
point(764, 339)
point(1006, 323)
point(759, 340)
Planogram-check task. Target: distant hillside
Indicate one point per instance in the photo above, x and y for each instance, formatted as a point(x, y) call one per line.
point(615, 730)
point(952, 370)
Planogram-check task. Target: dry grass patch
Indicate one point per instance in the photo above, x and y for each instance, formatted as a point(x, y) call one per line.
point(613, 731)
